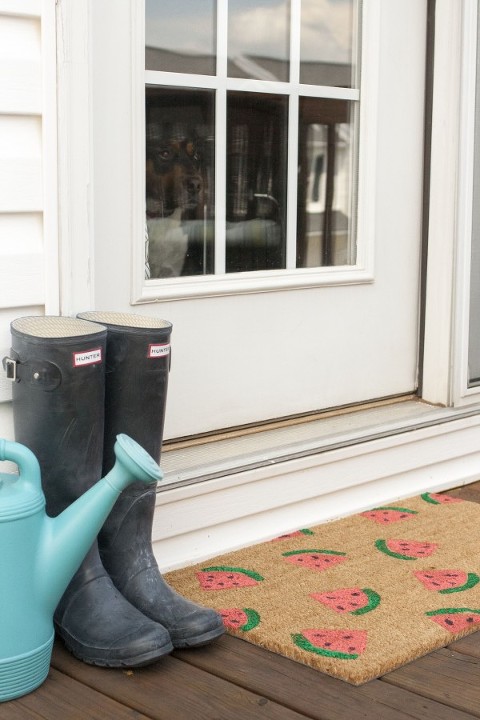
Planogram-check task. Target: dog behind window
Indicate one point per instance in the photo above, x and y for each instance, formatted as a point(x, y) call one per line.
point(174, 194)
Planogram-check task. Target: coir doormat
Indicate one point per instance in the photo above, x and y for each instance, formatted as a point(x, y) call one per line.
point(357, 597)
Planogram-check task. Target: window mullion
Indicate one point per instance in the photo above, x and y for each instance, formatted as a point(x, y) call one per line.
point(220, 177)
point(292, 176)
point(292, 166)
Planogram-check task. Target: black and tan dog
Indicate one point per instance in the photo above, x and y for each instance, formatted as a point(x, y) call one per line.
point(174, 194)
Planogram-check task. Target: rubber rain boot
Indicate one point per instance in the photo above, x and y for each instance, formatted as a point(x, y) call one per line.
point(137, 369)
point(57, 365)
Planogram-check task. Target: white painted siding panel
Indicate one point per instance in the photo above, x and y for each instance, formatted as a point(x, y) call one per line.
point(21, 8)
point(28, 192)
point(21, 233)
point(20, 65)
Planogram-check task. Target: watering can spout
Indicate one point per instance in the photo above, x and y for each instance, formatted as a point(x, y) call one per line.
point(67, 538)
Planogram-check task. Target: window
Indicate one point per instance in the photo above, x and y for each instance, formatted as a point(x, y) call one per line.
point(251, 136)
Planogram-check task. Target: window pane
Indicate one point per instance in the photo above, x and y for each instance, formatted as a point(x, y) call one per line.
point(256, 181)
point(180, 188)
point(326, 43)
point(325, 183)
point(180, 36)
point(258, 39)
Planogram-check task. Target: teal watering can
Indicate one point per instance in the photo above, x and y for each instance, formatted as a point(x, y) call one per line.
point(40, 555)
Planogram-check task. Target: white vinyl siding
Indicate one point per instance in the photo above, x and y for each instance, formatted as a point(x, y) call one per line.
point(28, 212)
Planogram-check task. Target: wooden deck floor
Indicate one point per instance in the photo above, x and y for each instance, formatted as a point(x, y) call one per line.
point(234, 680)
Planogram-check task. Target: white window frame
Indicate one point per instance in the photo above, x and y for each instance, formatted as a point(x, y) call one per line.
point(259, 281)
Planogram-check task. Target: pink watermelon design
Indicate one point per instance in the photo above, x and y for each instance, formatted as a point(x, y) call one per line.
point(315, 559)
point(243, 619)
point(222, 577)
point(406, 549)
point(340, 644)
point(388, 515)
point(440, 499)
point(447, 581)
point(296, 533)
point(356, 601)
point(455, 620)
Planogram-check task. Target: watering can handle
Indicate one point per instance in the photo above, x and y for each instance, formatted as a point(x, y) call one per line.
point(23, 457)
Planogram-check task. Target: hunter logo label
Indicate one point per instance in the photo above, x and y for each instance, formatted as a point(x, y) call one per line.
point(89, 357)
point(158, 351)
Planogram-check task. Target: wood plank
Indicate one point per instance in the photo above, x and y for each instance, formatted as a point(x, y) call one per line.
point(445, 676)
point(308, 691)
point(61, 697)
point(469, 492)
point(469, 645)
point(172, 689)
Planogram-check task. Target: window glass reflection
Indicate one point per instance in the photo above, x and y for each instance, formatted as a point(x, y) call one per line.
point(180, 36)
point(325, 188)
point(259, 39)
point(179, 182)
point(326, 42)
point(256, 181)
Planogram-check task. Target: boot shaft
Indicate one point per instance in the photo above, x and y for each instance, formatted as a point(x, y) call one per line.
point(58, 401)
point(136, 379)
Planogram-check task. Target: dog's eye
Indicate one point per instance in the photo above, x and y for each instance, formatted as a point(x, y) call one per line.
point(165, 154)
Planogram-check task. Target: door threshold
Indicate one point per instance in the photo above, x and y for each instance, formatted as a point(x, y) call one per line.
point(212, 457)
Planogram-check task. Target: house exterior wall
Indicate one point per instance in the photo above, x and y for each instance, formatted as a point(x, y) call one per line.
point(28, 237)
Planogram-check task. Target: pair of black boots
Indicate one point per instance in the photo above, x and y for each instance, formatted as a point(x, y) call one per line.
point(78, 383)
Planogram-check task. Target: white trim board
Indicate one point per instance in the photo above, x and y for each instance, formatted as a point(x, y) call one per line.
point(196, 522)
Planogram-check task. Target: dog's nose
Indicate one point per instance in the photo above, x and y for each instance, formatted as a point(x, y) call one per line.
point(194, 185)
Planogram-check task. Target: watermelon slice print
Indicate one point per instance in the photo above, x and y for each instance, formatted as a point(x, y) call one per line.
point(243, 619)
point(296, 533)
point(406, 549)
point(455, 620)
point(222, 577)
point(388, 515)
point(447, 581)
point(339, 644)
point(356, 601)
point(315, 559)
point(440, 499)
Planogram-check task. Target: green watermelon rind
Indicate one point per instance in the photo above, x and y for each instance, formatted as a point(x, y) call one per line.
point(304, 644)
point(308, 552)
point(226, 568)
point(373, 602)
point(427, 497)
point(382, 546)
point(451, 611)
point(253, 619)
point(392, 507)
point(472, 580)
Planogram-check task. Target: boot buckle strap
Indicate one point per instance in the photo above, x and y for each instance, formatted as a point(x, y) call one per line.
point(10, 367)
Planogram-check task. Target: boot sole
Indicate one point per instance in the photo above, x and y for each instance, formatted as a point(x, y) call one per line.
point(198, 640)
point(84, 653)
